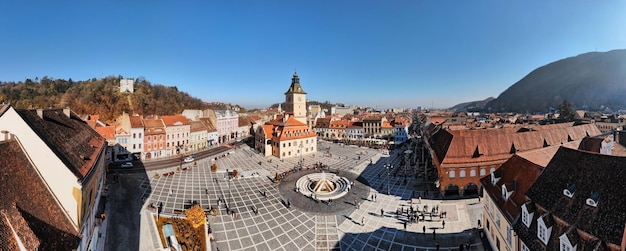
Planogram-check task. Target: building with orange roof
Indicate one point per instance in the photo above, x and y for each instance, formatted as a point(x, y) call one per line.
point(154, 138)
point(198, 135)
point(288, 135)
point(108, 132)
point(212, 134)
point(177, 129)
point(462, 157)
point(372, 126)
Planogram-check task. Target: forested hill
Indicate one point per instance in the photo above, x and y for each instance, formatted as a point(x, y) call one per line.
point(593, 80)
point(97, 96)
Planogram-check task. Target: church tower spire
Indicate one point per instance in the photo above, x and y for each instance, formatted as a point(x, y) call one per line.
point(295, 85)
point(295, 99)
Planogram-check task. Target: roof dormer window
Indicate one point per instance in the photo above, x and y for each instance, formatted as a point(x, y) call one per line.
point(527, 213)
point(495, 177)
point(507, 190)
point(569, 240)
point(569, 190)
point(544, 228)
point(593, 200)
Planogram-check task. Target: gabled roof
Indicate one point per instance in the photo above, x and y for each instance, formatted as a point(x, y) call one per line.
point(151, 123)
point(136, 121)
point(175, 120)
point(108, 132)
point(27, 206)
point(591, 172)
point(518, 171)
point(496, 144)
point(69, 137)
point(197, 126)
point(209, 125)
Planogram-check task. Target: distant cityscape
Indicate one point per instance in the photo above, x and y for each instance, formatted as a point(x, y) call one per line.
point(503, 181)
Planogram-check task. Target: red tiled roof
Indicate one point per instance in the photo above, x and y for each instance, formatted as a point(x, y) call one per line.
point(175, 120)
point(209, 125)
point(197, 126)
point(136, 121)
point(149, 123)
point(108, 132)
point(484, 145)
point(72, 140)
point(29, 207)
point(518, 171)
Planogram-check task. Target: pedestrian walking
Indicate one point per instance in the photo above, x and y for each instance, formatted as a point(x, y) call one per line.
point(363, 221)
point(443, 224)
point(288, 202)
point(437, 245)
point(356, 204)
point(405, 226)
point(382, 212)
point(434, 233)
point(424, 229)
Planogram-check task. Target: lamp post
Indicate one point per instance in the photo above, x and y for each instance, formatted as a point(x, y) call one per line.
point(388, 166)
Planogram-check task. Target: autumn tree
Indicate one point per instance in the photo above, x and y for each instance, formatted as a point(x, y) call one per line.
point(195, 215)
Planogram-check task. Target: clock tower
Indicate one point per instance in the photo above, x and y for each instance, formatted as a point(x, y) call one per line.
point(295, 100)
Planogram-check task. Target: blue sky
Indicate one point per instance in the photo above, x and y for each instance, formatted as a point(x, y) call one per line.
point(372, 53)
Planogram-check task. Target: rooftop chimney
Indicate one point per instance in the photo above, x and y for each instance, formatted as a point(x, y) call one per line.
point(6, 134)
point(40, 113)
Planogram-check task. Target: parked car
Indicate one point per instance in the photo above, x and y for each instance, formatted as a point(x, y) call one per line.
point(189, 159)
point(127, 165)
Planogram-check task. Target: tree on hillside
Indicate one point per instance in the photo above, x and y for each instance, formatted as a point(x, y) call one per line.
point(566, 111)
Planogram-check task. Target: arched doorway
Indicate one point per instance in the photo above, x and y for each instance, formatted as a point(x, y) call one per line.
point(452, 189)
point(148, 155)
point(471, 189)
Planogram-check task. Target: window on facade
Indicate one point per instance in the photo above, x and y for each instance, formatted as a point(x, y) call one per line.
point(498, 243)
point(148, 138)
point(283, 144)
point(140, 135)
point(524, 247)
point(134, 146)
point(491, 170)
point(509, 237)
point(149, 147)
point(139, 146)
point(541, 232)
point(134, 134)
point(488, 225)
point(565, 246)
point(289, 153)
point(472, 173)
point(283, 154)
point(289, 143)
point(452, 174)
point(168, 144)
point(462, 174)
point(482, 172)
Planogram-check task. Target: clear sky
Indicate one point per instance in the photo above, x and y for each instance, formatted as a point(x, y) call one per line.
point(371, 53)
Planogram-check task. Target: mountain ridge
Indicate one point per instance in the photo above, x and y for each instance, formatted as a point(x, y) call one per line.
point(593, 80)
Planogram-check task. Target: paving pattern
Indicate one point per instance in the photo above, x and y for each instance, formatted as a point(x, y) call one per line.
point(255, 213)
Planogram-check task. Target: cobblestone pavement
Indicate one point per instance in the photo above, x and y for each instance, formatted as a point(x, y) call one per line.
point(271, 216)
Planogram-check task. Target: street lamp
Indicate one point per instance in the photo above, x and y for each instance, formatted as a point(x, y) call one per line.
point(388, 166)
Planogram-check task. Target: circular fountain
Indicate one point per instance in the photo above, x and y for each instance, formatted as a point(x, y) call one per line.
point(323, 186)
